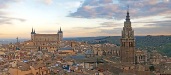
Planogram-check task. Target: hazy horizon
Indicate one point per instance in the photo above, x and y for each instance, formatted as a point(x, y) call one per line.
point(20, 38)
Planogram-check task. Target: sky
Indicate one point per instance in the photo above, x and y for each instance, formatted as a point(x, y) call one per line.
point(83, 18)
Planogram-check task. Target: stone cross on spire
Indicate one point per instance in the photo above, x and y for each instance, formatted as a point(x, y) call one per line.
point(128, 8)
point(127, 16)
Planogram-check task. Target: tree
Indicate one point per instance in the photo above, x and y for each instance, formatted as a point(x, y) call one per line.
point(152, 68)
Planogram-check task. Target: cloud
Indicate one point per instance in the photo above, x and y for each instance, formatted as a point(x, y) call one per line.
point(8, 20)
point(109, 24)
point(114, 31)
point(168, 16)
point(156, 23)
point(153, 30)
point(4, 19)
point(86, 28)
point(105, 1)
point(4, 3)
point(149, 28)
point(108, 9)
point(139, 31)
point(95, 11)
point(143, 12)
point(48, 2)
point(73, 4)
point(166, 23)
point(48, 31)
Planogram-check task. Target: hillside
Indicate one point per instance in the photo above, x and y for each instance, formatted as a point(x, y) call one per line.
point(160, 43)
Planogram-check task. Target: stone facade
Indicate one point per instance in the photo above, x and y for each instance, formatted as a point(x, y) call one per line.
point(155, 57)
point(46, 41)
point(106, 50)
point(141, 57)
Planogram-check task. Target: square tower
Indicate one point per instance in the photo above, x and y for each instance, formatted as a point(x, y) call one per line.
point(127, 52)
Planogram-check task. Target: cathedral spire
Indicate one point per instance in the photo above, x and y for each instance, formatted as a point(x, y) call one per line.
point(128, 8)
point(127, 16)
point(32, 32)
point(60, 29)
point(32, 29)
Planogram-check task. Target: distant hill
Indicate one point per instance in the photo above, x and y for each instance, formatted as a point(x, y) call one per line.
point(84, 38)
point(7, 41)
point(160, 43)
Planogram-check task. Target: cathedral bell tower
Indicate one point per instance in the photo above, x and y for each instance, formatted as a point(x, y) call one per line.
point(127, 52)
point(32, 34)
point(60, 34)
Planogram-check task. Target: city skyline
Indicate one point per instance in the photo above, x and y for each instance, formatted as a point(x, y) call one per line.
point(83, 18)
